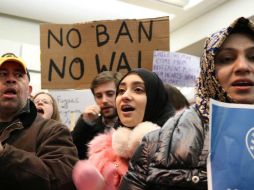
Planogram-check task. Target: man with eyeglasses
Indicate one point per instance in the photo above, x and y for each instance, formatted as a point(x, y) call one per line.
point(97, 118)
point(34, 153)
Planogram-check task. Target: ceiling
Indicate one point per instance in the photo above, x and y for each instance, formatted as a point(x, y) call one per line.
point(66, 11)
point(181, 16)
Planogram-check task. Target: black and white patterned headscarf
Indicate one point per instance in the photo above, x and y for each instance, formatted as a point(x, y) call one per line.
point(208, 85)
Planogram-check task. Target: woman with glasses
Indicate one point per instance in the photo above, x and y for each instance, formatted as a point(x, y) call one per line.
point(46, 106)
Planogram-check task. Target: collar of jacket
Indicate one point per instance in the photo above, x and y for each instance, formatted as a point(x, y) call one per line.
point(27, 115)
point(126, 140)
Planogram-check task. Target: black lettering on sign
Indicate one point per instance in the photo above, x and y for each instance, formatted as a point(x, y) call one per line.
point(123, 31)
point(58, 39)
point(101, 31)
point(125, 64)
point(122, 64)
point(139, 59)
point(79, 62)
point(70, 33)
point(148, 34)
point(69, 37)
point(59, 71)
point(103, 67)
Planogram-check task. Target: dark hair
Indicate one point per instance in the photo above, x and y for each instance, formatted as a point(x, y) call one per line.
point(175, 97)
point(104, 77)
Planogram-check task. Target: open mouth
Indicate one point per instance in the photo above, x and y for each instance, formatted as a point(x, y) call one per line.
point(127, 108)
point(10, 91)
point(40, 110)
point(242, 83)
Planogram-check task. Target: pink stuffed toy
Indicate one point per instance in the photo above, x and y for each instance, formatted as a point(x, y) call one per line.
point(103, 170)
point(86, 177)
point(109, 154)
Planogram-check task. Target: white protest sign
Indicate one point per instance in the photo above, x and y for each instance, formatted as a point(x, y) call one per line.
point(72, 103)
point(176, 68)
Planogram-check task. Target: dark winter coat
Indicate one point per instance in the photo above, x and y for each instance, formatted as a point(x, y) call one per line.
point(38, 153)
point(173, 157)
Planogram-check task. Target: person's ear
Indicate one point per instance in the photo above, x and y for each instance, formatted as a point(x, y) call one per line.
point(30, 89)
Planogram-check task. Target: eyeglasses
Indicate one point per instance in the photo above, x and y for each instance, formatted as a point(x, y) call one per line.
point(44, 101)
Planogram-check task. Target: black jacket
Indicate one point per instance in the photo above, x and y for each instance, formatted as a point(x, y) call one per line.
point(173, 157)
point(84, 132)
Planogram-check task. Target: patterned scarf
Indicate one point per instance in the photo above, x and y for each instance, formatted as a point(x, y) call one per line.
point(208, 85)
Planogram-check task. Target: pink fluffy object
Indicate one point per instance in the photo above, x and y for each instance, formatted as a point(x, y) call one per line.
point(103, 170)
point(87, 177)
point(109, 154)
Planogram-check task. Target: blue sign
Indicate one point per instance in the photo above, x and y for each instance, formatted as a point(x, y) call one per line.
point(231, 159)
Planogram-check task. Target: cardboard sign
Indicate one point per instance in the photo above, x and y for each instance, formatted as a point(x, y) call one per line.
point(73, 54)
point(176, 68)
point(72, 103)
point(231, 160)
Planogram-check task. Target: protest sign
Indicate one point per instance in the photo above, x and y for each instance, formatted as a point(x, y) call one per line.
point(73, 54)
point(176, 68)
point(72, 103)
point(231, 160)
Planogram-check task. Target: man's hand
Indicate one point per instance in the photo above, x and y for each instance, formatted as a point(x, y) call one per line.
point(91, 113)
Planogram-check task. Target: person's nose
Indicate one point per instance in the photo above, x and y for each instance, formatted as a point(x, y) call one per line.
point(10, 78)
point(126, 95)
point(242, 65)
point(104, 98)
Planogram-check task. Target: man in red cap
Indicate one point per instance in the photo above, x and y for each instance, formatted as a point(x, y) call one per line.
point(34, 153)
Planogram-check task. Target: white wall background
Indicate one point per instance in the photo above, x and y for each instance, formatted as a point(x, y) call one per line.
point(210, 22)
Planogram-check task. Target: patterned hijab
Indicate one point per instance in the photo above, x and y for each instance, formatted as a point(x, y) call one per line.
point(208, 85)
point(158, 108)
